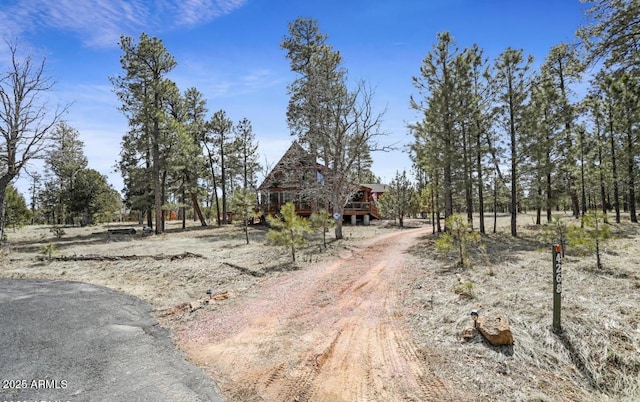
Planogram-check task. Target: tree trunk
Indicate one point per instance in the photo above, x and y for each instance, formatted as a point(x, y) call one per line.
point(575, 201)
point(514, 175)
point(631, 172)
point(480, 182)
point(156, 166)
point(614, 169)
point(196, 209)
point(149, 213)
point(468, 181)
point(603, 194)
point(4, 183)
point(433, 210)
point(338, 229)
point(223, 180)
point(549, 198)
point(163, 194)
point(324, 233)
point(437, 205)
point(583, 192)
point(184, 209)
point(293, 247)
point(215, 185)
point(539, 206)
point(495, 204)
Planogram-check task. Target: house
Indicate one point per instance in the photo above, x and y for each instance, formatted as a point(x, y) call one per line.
point(294, 172)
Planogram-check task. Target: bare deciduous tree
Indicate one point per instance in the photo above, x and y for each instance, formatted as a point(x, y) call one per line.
point(26, 119)
point(336, 124)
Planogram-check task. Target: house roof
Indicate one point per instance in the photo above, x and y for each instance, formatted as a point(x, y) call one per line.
point(296, 156)
point(291, 159)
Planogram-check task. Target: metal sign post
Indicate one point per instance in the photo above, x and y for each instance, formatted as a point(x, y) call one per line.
point(557, 286)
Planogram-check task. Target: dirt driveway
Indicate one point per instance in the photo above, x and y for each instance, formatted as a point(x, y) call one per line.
point(334, 331)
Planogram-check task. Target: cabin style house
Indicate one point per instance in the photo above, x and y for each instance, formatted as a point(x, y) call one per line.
point(295, 171)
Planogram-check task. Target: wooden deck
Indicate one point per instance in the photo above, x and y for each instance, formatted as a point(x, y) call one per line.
point(304, 209)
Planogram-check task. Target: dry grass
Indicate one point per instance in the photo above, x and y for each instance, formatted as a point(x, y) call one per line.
point(596, 357)
point(229, 265)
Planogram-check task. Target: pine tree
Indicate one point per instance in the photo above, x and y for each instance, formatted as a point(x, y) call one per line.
point(562, 68)
point(335, 124)
point(399, 199)
point(613, 35)
point(16, 213)
point(142, 89)
point(243, 205)
point(436, 86)
point(219, 142)
point(288, 229)
point(65, 160)
point(625, 90)
point(246, 148)
point(512, 82)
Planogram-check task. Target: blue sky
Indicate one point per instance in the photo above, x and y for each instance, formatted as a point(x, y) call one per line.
point(229, 50)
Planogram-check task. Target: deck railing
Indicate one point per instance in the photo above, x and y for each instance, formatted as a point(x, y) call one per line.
point(358, 206)
point(370, 207)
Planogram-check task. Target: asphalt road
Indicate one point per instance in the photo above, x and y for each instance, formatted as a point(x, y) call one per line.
point(71, 341)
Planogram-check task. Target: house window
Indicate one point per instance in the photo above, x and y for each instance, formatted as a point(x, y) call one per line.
point(274, 198)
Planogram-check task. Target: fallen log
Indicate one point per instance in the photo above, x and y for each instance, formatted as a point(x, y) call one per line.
point(244, 270)
point(97, 257)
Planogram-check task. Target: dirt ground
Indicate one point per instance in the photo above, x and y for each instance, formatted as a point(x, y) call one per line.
point(332, 332)
point(375, 317)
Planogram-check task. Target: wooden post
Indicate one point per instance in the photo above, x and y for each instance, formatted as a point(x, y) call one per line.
point(557, 286)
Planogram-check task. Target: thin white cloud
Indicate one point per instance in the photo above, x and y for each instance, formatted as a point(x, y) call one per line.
point(99, 23)
point(194, 12)
point(215, 83)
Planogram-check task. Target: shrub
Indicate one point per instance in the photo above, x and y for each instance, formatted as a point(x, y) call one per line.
point(57, 231)
point(464, 289)
point(49, 250)
point(457, 239)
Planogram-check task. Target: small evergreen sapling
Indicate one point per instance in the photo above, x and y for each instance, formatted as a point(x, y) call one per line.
point(243, 204)
point(458, 238)
point(555, 232)
point(49, 250)
point(593, 233)
point(288, 229)
point(322, 220)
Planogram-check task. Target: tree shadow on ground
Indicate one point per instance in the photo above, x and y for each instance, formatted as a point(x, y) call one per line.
point(189, 228)
point(223, 233)
point(34, 246)
point(479, 339)
point(498, 247)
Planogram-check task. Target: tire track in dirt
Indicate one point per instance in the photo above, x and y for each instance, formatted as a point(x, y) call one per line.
point(331, 332)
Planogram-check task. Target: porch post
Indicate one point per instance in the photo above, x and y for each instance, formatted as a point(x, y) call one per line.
point(353, 219)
